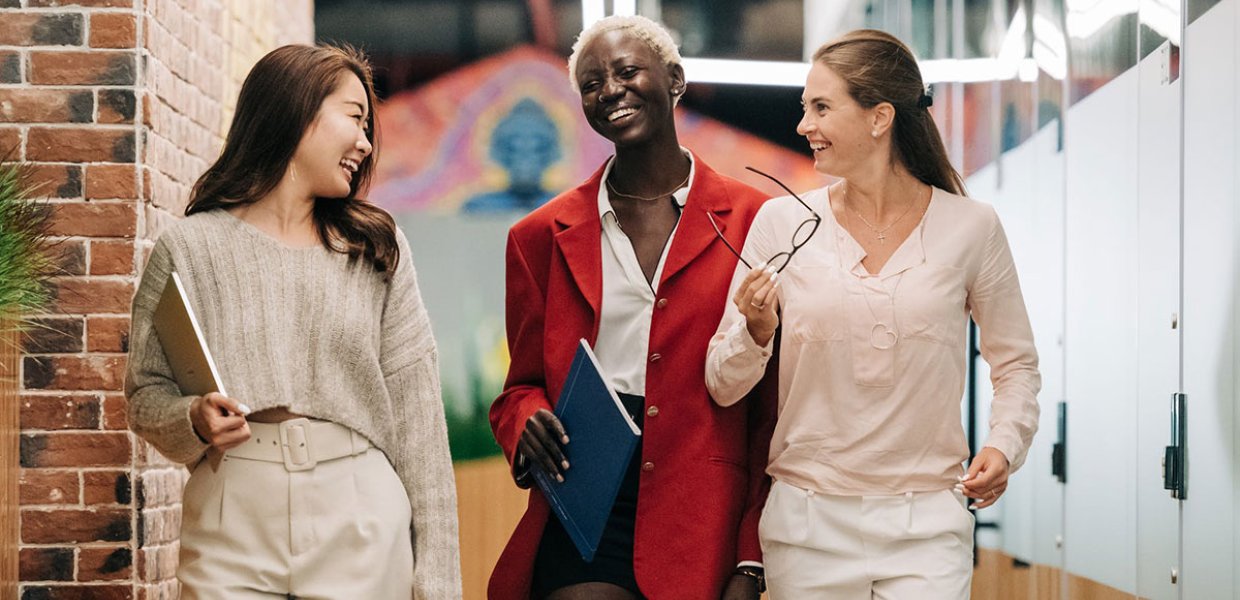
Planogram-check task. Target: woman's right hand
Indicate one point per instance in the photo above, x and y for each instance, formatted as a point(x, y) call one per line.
point(542, 444)
point(757, 299)
point(220, 420)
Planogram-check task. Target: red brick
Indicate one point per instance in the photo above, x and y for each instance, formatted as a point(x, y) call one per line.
point(106, 487)
point(113, 30)
point(45, 487)
point(80, 295)
point(46, 564)
point(116, 106)
point(107, 334)
point(76, 526)
point(148, 104)
point(98, 67)
point(69, 255)
point(73, 449)
point(74, 373)
point(60, 411)
point(41, 29)
point(55, 181)
point(86, 144)
point(115, 412)
point(18, 105)
point(95, 219)
point(111, 257)
point(76, 591)
point(105, 564)
point(111, 181)
point(89, 3)
point(54, 335)
point(10, 142)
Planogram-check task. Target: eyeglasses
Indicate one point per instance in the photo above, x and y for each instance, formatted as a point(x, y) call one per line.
point(800, 237)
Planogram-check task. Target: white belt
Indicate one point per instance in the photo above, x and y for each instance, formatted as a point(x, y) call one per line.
point(300, 443)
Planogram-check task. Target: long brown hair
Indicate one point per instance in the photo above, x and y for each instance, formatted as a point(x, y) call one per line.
point(279, 100)
point(880, 68)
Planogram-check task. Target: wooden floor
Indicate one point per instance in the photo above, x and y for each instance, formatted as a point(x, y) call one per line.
point(997, 577)
point(489, 505)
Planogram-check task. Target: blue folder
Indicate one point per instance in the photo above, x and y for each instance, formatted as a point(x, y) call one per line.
point(602, 437)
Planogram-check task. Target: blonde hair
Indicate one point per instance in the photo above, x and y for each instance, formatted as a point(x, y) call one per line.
point(655, 36)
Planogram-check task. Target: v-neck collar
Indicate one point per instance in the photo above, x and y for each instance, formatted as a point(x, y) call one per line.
point(910, 253)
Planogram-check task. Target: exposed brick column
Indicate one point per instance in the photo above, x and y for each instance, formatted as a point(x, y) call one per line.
point(120, 105)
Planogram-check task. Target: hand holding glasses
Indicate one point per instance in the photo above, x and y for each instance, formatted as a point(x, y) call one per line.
point(756, 297)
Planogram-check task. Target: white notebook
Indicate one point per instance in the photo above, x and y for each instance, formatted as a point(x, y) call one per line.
point(183, 342)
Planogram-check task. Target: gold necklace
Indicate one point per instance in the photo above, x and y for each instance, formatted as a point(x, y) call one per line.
point(613, 190)
point(880, 233)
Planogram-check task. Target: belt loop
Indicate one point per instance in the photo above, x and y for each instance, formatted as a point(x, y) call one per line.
point(908, 498)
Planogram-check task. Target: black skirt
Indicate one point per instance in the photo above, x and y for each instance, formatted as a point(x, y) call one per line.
point(559, 565)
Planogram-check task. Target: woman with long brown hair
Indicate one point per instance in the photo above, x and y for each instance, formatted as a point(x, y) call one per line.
point(325, 473)
point(885, 269)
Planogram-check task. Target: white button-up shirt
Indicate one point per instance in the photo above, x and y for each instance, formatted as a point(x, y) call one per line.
point(628, 300)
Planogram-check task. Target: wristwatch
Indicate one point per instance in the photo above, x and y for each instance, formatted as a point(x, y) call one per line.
point(757, 573)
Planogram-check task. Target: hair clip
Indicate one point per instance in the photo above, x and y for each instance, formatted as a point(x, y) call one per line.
point(926, 100)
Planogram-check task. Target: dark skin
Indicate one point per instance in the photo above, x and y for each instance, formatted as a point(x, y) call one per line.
point(628, 96)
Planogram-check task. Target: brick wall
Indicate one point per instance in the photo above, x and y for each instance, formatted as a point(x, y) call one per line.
point(120, 104)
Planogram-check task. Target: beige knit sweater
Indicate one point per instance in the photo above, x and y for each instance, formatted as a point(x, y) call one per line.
point(306, 329)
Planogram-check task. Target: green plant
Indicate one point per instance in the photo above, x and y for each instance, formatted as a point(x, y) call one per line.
point(25, 263)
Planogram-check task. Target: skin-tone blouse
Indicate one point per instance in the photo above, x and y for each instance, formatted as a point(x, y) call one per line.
point(872, 366)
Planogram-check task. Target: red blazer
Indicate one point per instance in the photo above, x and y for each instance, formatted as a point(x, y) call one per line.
point(698, 507)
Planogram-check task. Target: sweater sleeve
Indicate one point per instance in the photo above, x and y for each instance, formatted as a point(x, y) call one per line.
point(158, 412)
point(410, 364)
point(998, 307)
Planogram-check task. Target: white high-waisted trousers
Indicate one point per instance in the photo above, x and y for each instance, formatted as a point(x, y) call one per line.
point(916, 546)
point(253, 529)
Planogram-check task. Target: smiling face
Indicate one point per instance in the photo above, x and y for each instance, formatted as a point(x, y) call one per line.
point(627, 92)
point(837, 127)
point(337, 142)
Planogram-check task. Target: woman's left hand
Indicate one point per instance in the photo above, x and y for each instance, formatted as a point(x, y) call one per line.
point(741, 587)
point(987, 477)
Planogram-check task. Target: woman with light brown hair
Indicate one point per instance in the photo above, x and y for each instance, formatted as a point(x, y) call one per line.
point(886, 267)
point(325, 473)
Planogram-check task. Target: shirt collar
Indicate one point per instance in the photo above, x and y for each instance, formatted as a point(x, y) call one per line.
point(604, 197)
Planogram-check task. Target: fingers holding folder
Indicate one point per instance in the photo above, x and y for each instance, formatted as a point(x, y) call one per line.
point(220, 421)
point(542, 444)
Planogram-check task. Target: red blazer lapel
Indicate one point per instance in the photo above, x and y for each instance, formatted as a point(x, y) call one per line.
point(580, 241)
point(694, 234)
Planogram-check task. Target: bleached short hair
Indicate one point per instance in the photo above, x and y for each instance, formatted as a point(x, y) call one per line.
point(654, 34)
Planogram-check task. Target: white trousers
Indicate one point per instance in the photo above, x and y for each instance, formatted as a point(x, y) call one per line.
point(255, 530)
point(916, 546)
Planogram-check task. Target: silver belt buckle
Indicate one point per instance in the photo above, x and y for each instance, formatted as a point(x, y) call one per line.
point(295, 445)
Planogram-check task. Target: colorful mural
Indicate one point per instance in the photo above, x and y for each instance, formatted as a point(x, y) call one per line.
point(465, 156)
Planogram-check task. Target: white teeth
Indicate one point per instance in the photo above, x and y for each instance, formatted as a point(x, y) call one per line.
point(624, 112)
point(817, 147)
point(349, 165)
